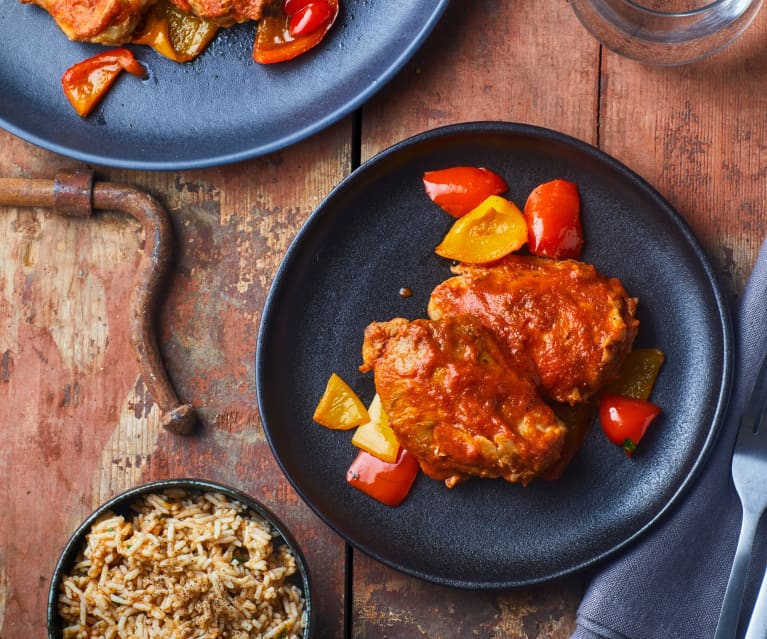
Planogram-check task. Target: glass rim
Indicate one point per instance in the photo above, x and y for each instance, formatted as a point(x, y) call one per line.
point(697, 12)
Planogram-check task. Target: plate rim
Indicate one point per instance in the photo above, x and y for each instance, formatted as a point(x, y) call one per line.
point(724, 326)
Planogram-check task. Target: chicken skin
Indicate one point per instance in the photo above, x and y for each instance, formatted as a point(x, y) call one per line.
point(569, 325)
point(101, 21)
point(225, 12)
point(456, 403)
point(113, 22)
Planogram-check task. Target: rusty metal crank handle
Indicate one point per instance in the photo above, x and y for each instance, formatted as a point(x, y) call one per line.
point(75, 194)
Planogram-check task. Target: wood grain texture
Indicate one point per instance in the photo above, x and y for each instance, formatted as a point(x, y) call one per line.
point(523, 61)
point(388, 604)
point(697, 134)
point(80, 423)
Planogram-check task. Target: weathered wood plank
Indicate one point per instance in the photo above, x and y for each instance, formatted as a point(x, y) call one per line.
point(389, 604)
point(518, 62)
point(79, 423)
point(697, 133)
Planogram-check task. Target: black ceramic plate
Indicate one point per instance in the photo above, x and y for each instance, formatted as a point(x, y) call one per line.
point(220, 108)
point(374, 234)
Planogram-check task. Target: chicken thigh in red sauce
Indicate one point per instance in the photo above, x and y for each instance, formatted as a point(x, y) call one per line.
point(569, 325)
point(455, 401)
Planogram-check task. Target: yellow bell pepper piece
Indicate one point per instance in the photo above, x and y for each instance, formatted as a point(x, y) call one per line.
point(175, 34)
point(494, 229)
point(339, 407)
point(376, 436)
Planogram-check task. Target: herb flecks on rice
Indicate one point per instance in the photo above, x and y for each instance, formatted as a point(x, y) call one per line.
point(184, 567)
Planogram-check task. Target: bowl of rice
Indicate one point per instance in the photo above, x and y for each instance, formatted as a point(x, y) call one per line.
point(183, 559)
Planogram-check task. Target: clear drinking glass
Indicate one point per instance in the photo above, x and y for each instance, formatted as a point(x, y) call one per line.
point(666, 32)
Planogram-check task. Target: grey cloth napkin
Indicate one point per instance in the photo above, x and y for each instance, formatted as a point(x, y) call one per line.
point(671, 583)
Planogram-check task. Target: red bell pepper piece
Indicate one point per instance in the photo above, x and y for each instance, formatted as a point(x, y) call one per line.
point(553, 214)
point(87, 82)
point(626, 419)
point(311, 17)
point(460, 189)
point(299, 27)
point(387, 482)
point(294, 6)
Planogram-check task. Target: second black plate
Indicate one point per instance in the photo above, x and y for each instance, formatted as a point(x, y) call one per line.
point(374, 234)
point(220, 108)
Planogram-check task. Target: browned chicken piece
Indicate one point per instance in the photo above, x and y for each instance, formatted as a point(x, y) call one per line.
point(113, 22)
point(225, 12)
point(572, 324)
point(456, 403)
point(102, 21)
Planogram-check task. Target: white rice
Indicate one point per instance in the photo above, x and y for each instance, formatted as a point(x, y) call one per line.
point(184, 567)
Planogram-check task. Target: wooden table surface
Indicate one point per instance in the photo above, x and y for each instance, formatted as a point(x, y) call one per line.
point(77, 421)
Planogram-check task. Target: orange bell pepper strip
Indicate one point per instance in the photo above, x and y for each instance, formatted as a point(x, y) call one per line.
point(87, 82)
point(284, 36)
point(387, 482)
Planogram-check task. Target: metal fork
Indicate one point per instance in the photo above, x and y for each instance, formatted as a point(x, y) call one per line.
point(749, 474)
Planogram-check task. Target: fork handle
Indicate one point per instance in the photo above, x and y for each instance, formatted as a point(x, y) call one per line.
point(727, 626)
point(757, 626)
